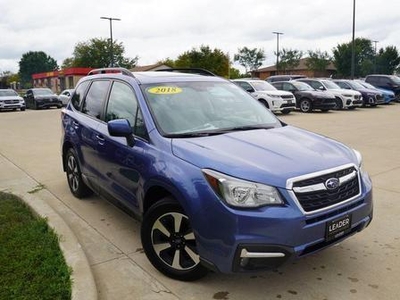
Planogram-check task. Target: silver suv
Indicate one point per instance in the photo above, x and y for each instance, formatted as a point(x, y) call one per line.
point(268, 95)
point(9, 99)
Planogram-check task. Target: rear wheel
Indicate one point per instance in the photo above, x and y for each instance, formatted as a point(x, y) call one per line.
point(305, 105)
point(169, 241)
point(74, 176)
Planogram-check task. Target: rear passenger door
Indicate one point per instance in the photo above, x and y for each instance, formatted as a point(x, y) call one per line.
point(85, 124)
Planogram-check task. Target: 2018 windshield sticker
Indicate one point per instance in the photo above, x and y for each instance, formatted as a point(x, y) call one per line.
point(165, 90)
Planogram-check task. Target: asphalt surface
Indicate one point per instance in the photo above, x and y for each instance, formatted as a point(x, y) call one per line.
point(100, 236)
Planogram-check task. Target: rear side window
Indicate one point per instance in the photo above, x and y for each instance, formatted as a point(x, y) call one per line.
point(94, 102)
point(79, 94)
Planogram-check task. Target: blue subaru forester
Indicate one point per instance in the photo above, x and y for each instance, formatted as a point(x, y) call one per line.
point(217, 180)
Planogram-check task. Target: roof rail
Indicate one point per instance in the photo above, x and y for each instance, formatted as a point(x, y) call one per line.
point(111, 70)
point(198, 71)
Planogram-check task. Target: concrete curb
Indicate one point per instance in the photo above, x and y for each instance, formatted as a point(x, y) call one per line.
point(83, 284)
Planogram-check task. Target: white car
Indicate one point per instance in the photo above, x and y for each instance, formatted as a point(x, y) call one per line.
point(268, 95)
point(9, 99)
point(65, 95)
point(345, 98)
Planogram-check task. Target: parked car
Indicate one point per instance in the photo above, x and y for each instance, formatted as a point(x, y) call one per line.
point(307, 98)
point(388, 95)
point(217, 180)
point(41, 98)
point(344, 98)
point(65, 95)
point(370, 96)
point(275, 78)
point(389, 82)
point(268, 95)
point(9, 99)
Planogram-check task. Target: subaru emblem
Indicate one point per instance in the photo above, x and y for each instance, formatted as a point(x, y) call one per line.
point(332, 183)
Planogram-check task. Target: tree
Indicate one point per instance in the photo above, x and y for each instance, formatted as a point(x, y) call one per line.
point(317, 60)
point(289, 59)
point(215, 60)
point(96, 53)
point(35, 62)
point(250, 59)
point(387, 61)
point(363, 58)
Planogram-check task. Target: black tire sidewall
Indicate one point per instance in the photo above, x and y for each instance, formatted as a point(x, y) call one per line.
point(164, 206)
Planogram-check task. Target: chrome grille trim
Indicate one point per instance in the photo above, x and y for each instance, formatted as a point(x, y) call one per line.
point(320, 187)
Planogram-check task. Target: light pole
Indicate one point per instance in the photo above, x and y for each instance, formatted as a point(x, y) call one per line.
point(375, 42)
point(277, 49)
point(353, 43)
point(111, 38)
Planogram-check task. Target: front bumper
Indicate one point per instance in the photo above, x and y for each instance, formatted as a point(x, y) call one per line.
point(248, 240)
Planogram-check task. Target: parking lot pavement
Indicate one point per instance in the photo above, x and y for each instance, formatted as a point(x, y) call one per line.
point(365, 266)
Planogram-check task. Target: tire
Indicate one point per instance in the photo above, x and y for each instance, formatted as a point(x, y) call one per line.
point(22, 108)
point(339, 104)
point(74, 176)
point(35, 105)
point(305, 105)
point(264, 102)
point(286, 111)
point(172, 251)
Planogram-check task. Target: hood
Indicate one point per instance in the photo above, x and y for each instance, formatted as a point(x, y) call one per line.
point(319, 94)
point(270, 156)
point(273, 93)
point(344, 92)
point(11, 98)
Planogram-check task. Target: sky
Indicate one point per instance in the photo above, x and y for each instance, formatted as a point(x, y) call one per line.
point(155, 30)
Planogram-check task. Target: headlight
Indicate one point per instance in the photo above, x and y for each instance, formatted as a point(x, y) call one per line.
point(359, 158)
point(273, 96)
point(241, 193)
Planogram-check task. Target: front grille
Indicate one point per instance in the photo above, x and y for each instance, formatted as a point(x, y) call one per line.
point(287, 97)
point(288, 105)
point(11, 101)
point(313, 194)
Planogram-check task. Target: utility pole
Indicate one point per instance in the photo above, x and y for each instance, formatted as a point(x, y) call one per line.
point(277, 49)
point(353, 42)
point(375, 42)
point(111, 38)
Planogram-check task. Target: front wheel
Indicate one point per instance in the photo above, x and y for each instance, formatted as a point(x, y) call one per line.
point(305, 105)
point(286, 111)
point(169, 241)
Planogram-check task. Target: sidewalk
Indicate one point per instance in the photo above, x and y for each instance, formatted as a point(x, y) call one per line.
point(16, 181)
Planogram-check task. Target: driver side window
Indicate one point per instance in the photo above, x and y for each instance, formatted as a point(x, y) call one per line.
point(122, 104)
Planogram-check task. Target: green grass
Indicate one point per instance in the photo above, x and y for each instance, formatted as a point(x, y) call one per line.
point(31, 263)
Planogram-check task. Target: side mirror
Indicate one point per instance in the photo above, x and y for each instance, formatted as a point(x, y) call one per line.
point(121, 128)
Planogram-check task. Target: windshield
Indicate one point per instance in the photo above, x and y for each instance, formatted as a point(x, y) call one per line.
point(42, 92)
point(204, 108)
point(262, 86)
point(301, 86)
point(329, 85)
point(367, 85)
point(355, 85)
point(395, 79)
point(8, 93)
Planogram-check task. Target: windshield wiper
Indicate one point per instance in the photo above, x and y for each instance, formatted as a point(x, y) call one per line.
point(216, 131)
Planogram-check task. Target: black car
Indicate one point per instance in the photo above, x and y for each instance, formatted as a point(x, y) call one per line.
point(41, 98)
point(388, 82)
point(370, 97)
point(307, 97)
